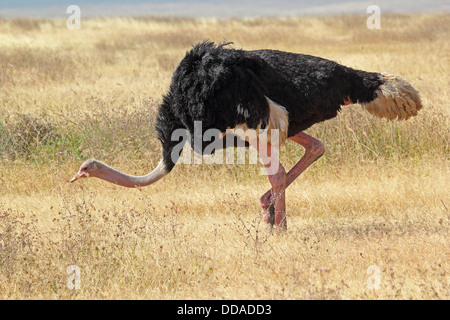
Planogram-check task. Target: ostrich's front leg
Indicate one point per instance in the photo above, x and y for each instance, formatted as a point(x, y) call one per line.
point(274, 210)
point(313, 150)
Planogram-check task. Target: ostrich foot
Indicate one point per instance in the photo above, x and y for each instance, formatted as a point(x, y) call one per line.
point(274, 211)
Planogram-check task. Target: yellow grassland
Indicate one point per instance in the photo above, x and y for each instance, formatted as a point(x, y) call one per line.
point(198, 233)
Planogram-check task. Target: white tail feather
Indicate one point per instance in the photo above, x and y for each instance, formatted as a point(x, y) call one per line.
point(396, 99)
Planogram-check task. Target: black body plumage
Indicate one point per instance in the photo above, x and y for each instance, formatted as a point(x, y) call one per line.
point(224, 87)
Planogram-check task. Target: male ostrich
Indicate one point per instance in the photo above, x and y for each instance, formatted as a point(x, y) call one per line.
point(262, 90)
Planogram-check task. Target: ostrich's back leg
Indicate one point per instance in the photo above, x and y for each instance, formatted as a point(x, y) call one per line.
point(314, 149)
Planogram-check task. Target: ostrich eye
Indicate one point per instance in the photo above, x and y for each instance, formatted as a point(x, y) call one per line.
point(85, 168)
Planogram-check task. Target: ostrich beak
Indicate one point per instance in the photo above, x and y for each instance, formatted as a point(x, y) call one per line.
point(75, 177)
point(79, 175)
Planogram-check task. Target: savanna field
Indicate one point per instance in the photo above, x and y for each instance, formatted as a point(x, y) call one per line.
point(368, 220)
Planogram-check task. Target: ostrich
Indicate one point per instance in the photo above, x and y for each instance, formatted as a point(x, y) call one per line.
point(262, 90)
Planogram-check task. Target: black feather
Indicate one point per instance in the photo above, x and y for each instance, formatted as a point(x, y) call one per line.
point(223, 87)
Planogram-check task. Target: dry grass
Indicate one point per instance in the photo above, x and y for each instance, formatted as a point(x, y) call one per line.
point(379, 196)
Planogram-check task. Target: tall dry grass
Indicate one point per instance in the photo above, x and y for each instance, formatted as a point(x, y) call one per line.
point(379, 196)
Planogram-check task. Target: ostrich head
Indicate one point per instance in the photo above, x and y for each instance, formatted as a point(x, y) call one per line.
point(89, 168)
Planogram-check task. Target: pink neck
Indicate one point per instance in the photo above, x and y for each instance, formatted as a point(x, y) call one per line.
point(112, 175)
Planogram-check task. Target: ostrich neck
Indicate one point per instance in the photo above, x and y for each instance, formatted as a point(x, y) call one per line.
point(112, 175)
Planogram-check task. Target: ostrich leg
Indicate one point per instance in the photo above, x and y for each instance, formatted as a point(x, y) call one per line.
point(277, 178)
point(276, 212)
point(313, 150)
